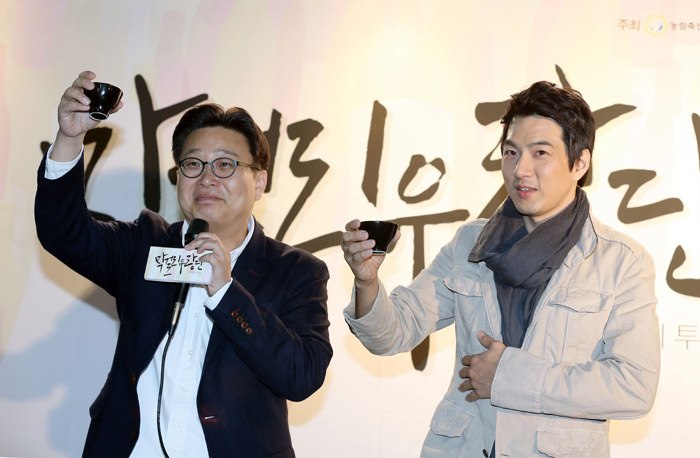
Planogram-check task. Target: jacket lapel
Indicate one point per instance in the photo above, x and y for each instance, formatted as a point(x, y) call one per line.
point(251, 264)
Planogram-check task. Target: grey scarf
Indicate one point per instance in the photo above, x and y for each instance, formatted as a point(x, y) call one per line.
point(524, 262)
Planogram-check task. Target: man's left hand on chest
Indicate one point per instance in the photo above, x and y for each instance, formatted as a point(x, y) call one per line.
point(479, 370)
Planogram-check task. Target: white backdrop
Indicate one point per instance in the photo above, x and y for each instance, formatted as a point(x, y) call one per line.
point(323, 74)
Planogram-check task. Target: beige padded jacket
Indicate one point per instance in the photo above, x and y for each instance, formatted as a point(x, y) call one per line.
point(590, 354)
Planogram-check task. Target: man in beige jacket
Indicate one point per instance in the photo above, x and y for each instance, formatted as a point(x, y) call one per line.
point(554, 312)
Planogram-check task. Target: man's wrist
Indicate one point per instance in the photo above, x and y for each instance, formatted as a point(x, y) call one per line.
point(370, 284)
point(66, 149)
point(365, 294)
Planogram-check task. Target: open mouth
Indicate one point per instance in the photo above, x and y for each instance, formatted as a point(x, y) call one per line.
point(525, 191)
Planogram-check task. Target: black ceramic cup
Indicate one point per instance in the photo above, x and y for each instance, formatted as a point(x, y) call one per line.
point(382, 232)
point(103, 99)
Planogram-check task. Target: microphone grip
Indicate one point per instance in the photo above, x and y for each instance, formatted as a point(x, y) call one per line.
point(179, 304)
point(196, 226)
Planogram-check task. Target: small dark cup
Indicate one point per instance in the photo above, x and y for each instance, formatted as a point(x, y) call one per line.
point(382, 232)
point(103, 100)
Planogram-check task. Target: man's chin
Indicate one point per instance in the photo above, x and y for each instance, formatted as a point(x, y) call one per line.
point(210, 217)
point(524, 210)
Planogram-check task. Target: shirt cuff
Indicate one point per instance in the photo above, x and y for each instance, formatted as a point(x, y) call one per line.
point(55, 169)
point(212, 302)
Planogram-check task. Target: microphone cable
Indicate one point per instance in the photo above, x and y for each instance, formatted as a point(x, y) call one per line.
point(196, 226)
point(160, 393)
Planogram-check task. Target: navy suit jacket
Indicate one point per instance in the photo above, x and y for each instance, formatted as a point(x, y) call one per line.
point(269, 343)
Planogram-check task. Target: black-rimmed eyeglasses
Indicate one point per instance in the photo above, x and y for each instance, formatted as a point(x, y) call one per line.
point(222, 167)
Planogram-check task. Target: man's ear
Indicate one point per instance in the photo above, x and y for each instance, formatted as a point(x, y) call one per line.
point(173, 175)
point(582, 165)
point(260, 183)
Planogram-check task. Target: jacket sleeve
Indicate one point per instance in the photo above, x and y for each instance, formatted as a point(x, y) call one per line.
point(96, 250)
point(400, 321)
point(618, 381)
point(281, 334)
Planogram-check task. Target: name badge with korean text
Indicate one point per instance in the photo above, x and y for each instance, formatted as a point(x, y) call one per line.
point(176, 265)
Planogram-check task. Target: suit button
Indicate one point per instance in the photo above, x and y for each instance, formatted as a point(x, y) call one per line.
point(239, 319)
point(244, 325)
point(249, 331)
point(133, 379)
point(234, 314)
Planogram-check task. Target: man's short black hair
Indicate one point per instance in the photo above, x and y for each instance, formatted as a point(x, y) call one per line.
point(213, 115)
point(564, 106)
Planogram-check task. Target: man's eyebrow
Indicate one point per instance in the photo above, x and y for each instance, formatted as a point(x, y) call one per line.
point(531, 144)
point(221, 150)
point(541, 142)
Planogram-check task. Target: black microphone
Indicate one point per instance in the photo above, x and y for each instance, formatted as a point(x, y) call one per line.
point(196, 226)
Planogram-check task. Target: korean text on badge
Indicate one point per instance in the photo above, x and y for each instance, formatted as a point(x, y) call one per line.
point(176, 265)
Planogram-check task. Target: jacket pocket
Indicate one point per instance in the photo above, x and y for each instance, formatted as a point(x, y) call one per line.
point(581, 300)
point(464, 282)
point(449, 420)
point(575, 322)
point(573, 443)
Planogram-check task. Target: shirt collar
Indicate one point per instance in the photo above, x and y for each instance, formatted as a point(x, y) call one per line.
point(236, 252)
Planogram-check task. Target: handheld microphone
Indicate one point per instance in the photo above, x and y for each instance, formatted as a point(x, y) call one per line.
point(196, 226)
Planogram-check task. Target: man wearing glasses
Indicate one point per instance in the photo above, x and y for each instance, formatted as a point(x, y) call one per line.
point(252, 339)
